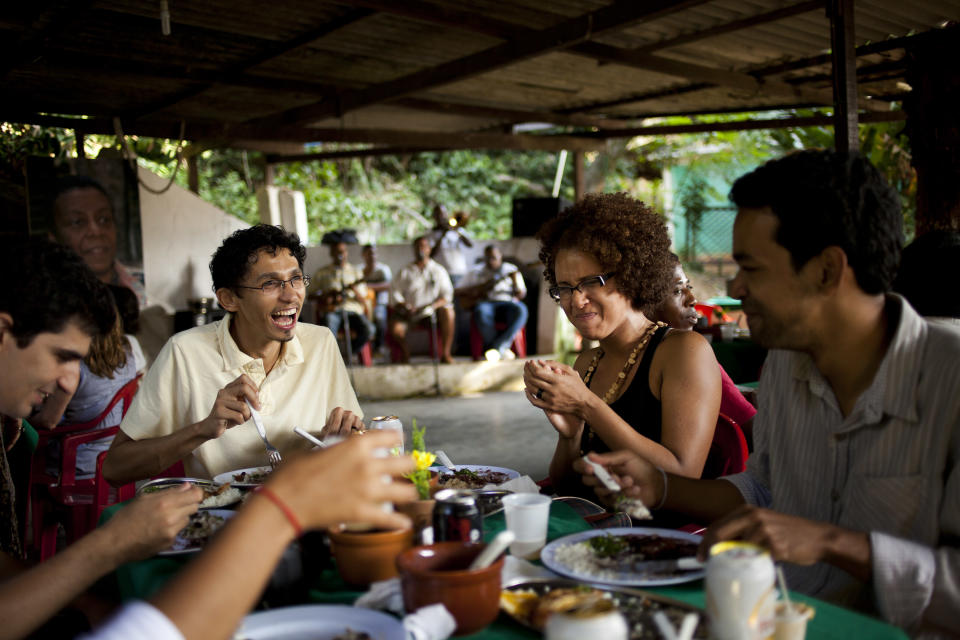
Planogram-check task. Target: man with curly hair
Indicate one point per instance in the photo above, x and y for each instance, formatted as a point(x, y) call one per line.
point(854, 483)
point(258, 355)
point(645, 388)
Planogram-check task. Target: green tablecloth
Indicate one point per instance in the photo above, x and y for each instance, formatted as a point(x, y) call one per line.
point(142, 579)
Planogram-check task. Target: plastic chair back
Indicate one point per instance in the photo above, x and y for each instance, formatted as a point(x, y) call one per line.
point(728, 451)
point(49, 493)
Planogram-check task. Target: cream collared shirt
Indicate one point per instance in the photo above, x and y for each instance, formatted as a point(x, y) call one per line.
point(307, 383)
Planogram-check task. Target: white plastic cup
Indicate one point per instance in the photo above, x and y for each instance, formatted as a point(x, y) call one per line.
point(791, 624)
point(728, 332)
point(527, 516)
point(610, 625)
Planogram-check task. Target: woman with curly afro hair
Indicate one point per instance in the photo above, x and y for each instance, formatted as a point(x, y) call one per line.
point(644, 388)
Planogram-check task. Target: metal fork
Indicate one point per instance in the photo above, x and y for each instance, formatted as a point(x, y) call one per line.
point(273, 455)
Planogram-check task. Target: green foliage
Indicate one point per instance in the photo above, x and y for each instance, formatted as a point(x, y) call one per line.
point(389, 198)
point(417, 436)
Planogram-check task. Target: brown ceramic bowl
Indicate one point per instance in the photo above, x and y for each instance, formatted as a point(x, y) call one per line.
point(438, 573)
point(368, 556)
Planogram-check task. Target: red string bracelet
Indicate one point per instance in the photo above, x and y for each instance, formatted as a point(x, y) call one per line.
point(291, 517)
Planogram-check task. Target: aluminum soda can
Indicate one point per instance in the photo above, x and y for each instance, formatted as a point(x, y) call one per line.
point(390, 423)
point(456, 516)
point(741, 597)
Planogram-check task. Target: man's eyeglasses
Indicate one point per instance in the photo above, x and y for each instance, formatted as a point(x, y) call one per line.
point(587, 285)
point(297, 283)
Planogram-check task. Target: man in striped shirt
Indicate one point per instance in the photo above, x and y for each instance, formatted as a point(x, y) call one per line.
point(855, 479)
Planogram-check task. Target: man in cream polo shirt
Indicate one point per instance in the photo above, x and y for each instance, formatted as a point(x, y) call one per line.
point(192, 403)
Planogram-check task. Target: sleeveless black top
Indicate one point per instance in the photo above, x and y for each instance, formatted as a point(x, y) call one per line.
point(637, 405)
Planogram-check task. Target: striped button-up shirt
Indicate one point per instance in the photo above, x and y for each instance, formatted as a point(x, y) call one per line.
point(890, 468)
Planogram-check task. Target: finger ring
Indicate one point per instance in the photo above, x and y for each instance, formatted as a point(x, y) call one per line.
point(539, 394)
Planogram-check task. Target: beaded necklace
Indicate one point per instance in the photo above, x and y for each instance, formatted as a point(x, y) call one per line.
point(611, 393)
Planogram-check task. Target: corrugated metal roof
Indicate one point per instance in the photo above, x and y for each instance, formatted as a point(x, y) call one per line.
point(291, 64)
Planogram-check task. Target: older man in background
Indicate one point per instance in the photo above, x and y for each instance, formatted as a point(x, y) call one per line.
point(83, 219)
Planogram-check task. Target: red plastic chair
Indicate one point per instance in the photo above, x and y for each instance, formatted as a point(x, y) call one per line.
point(728, 451)
point(713, 313)
point(433, 338)
point(50, 495)
point(518, 346)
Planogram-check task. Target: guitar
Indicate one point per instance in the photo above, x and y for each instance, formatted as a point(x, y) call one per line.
point(330, 299)
point(470, 296)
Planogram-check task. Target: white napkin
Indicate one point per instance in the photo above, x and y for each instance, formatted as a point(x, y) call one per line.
point(519, 569)
point(433, 622)
point(383, 595)
point(523, 484)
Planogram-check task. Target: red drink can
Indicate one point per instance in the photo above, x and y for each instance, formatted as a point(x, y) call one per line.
point(456, 516)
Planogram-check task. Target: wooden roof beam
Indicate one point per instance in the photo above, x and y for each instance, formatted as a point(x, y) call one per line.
point(368, 152)
point(618, 15)
point(734, 25)
point(224, 135)
point(759, 72)
point(735, 80)
point(742, 125)
point(509, 115)
point(236, 71)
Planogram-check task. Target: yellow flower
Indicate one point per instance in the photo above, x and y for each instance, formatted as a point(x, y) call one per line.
point(423, 459)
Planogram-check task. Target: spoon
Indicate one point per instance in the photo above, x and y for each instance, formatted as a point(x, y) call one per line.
point(493, 550)
point(446, 461)
point(306, 436)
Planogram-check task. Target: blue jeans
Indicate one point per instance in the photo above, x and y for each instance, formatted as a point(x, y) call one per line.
point(359, 324)
point(487, 313)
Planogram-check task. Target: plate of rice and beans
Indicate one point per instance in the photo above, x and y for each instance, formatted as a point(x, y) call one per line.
point(617, 556)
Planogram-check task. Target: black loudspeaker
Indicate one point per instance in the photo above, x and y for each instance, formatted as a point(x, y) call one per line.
point(529, 214)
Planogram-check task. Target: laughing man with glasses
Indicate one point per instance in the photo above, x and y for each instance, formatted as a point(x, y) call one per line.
point(192, 404)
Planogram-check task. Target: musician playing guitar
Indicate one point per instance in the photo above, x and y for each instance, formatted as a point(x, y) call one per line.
point(339, 292)
point(494, 293)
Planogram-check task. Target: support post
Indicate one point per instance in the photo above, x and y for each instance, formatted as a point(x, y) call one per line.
point(578, 178)
point(193, 174)
point(79, 138)
point(844, 59)
point(933, 129)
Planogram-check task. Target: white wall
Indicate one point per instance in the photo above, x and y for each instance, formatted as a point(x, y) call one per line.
point(180, 233)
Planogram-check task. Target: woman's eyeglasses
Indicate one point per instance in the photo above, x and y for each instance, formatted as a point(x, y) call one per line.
point(587, 285)
point(270, 287)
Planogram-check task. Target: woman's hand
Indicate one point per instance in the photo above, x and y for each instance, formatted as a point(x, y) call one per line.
point(555, 387)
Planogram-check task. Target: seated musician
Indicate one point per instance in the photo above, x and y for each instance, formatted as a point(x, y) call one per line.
point(422, 289)
point(494, 293)
point(192, 404)
point(340, 293)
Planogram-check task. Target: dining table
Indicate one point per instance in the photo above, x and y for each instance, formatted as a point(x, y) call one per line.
point(322, 584)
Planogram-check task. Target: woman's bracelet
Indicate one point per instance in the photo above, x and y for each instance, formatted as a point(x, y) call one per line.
point(287, 511)
point(663, 498)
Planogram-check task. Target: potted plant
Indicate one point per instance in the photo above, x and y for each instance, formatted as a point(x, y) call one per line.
point(425, 481)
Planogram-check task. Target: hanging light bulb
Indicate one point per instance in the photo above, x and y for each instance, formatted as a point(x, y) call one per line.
point(164, 17)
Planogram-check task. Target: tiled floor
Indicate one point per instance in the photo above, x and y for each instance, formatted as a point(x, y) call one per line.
point(497, 428)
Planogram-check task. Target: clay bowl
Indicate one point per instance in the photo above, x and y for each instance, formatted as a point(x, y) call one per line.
point(438, 573)
point(368, 556)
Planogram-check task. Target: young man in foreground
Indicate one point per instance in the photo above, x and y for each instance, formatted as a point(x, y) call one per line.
point(855, 479)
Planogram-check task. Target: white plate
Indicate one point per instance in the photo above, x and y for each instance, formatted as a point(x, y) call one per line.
point(511, 474)
point(318, 622)
point(227, 476)
point(182, 546)
point(624, 578)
